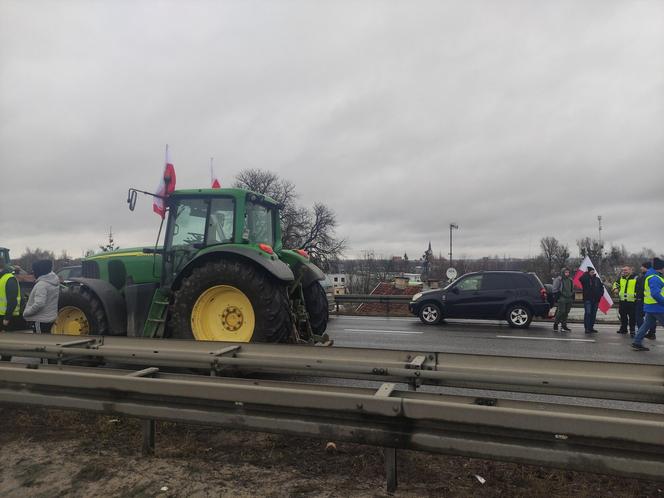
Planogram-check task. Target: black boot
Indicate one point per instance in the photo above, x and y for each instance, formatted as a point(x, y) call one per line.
point(555, 326)
point(566, 328)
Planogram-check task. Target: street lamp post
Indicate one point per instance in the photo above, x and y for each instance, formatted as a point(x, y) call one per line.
point(455, 227)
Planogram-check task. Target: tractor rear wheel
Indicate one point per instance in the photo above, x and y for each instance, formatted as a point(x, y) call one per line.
point(80, 313)
point(315, 301)
point(231, 300)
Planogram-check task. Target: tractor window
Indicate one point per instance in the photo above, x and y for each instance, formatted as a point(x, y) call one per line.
point(259, 223)
point(220, 224)
point(189, 222)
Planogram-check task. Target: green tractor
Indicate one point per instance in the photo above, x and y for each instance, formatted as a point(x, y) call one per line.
point(4, 255)
point(221, 275)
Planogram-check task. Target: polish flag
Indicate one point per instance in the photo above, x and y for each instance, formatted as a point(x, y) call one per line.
point(213, 178)
point(605, 302)
point(166, 186)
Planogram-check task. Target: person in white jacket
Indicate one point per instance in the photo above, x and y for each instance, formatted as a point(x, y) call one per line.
point(42, 306)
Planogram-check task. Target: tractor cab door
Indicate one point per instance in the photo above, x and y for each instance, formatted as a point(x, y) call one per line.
point(194, 223)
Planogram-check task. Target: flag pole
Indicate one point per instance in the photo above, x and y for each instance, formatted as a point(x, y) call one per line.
point(211, 174)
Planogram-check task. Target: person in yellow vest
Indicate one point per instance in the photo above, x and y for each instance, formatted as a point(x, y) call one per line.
point(653, 302)
point(625, 289)
point(640, 314)
point(10, 297)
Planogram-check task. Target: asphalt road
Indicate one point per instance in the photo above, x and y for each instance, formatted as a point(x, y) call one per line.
point(492, 337)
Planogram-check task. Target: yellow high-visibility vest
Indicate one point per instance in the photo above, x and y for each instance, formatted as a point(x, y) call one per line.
point(3, 295)
point(627, 289)
point(647, 296)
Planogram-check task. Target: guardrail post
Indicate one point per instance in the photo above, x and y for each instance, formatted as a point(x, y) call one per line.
point(388, 307)
point(148, 436)
point(391, 468)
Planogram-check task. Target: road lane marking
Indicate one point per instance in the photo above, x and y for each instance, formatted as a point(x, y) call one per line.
point(384, 331)
point(544, 338)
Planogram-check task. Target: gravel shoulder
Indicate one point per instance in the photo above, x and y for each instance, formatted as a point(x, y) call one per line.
point(60, 453)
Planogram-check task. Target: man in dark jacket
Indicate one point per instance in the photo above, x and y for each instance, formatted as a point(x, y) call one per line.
point(10, 297)
point(593, 290)
point(640, 314)
point(563, 286)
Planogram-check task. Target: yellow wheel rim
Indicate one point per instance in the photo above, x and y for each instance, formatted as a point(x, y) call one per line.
point(71, 321)
point(223, 313)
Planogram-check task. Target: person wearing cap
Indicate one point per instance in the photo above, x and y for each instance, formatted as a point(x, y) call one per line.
point(42, 306)
point(653, 302)
point(638, 305)
point(625, 289)
point(563, 287)
point(10, 296)
point(593, 290)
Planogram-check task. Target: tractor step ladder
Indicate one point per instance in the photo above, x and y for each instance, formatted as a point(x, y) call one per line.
point(155, 324)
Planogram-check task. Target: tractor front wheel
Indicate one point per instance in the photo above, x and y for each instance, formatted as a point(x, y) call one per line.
point(231, 300)
point(80, 313)
point(315, 301)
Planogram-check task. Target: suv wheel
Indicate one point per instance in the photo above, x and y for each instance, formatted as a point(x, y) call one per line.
point(430, 314)
point(519, 316)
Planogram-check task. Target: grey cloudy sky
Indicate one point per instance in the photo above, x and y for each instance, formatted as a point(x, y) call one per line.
point(515, 119)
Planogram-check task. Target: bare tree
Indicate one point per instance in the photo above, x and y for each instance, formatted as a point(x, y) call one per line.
point(550, 247)
point(554, 254)
point(592, 248)
point(312, 230)
point(30, 256)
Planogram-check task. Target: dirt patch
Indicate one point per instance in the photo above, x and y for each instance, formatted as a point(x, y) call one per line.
point(61, 453)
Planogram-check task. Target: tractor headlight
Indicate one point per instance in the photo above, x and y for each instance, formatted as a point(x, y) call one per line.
point(416, 296)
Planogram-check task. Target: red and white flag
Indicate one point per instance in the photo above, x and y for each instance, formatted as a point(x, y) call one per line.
point(166, 186)
point(606, 302)
point(214, 181)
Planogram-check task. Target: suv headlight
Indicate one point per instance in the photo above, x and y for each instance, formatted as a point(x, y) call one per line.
point(416, 296)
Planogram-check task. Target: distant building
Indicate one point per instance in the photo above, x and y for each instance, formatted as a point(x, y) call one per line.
point(413, 278)
point(338, 283)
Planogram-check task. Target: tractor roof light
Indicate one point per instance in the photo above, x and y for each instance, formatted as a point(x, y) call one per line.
point(302, 253)
point(266, 248)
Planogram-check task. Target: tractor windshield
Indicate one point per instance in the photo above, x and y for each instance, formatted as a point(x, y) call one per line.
point(188, 226)
point(203, 222)
point(259, 223)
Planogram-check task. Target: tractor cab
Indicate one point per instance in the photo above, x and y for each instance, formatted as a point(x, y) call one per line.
point(204, 220)
point(4, 255)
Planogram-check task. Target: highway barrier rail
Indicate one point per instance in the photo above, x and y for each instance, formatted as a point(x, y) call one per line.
point(143, 378)
point(396, 303)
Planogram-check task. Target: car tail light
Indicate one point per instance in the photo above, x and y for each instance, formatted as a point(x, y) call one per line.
point(266, 248)
point(543, 294)
point(302, 253)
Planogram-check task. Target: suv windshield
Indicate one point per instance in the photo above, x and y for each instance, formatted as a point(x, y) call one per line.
point(259, 223)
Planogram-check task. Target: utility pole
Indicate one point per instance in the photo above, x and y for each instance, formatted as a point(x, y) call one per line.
point(455, 227)
point(599, 230)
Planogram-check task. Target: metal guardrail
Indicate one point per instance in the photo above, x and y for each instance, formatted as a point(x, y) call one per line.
point(609, 380)
point(560, 434)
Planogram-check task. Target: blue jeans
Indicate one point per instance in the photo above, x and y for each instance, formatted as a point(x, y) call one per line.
point(640, 317)
point(649, 323)
point(589, 315)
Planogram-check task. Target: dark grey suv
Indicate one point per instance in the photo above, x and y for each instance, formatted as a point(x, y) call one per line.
point(493, 295)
